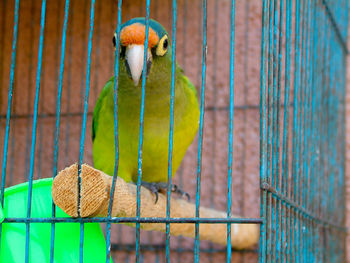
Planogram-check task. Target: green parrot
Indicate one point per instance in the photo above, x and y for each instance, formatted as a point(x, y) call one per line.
point(156, 114)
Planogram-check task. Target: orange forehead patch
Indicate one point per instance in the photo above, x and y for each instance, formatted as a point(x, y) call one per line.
point(135, 34)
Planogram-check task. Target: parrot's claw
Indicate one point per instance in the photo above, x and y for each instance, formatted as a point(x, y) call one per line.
point(179, 191)
point(155, 188)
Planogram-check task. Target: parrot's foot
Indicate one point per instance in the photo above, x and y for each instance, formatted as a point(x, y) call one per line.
point(155, 188)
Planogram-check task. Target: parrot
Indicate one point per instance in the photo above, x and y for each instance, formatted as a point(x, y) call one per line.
point(156, 110)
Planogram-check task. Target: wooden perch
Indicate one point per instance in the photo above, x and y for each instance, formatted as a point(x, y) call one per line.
point(95, 192)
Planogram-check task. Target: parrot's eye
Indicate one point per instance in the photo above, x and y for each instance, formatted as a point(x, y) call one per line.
point(115, 40)
point(165, 44)
point(162, 46)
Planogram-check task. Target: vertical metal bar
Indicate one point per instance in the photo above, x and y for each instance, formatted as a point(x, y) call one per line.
point(332, 131)
point(319, 137)
point(302, 69)
point(310, 256)
point(98, 49)
point(262, 141)
point(307, 140)
point(171, 131)
point(29, 98)
point(83, 36)
point(35, 118)
point(321, 134)
point(313, 127)
point(334, 111)
point(214, 115)
point(274, 95)
point(285, 149)
point(142, 112)
point(120, 228)
point(310, 140)
point(301, 100)
point(289, 153)
point(278, 218)
point(272, 130)
point(231, 122)
point(116, 134)
point(9, 105)
point(69, 87)
point(41, 105)
point(343, 95)
point(311, 81)
point(295, 163)
point(58, 115)
point(323, 142)
point(201, 122)
point(269, 178)
point(306, 118)
point(300, 129)
point(83, 129)
point(87, 86)
point(183, 59)
point(319, 229)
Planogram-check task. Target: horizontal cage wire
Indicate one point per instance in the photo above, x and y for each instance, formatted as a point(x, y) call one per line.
point(284, 126)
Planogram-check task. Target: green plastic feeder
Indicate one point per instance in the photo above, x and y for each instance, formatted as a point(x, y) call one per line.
point(67, 235)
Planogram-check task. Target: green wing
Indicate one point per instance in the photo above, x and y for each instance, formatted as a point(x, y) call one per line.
point(186, 81)
point(98, 106)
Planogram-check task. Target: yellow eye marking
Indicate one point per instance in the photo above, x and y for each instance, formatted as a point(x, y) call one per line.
point(162, 46)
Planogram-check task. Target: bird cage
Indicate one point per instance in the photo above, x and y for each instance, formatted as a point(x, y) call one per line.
point(270, 151)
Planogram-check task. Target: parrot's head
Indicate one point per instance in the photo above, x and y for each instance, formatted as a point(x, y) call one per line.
point(132, 38)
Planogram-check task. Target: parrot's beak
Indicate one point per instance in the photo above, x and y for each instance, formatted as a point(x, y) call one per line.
point(134, 61)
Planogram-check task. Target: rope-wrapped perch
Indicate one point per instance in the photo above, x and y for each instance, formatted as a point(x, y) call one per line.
point(94, 201)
